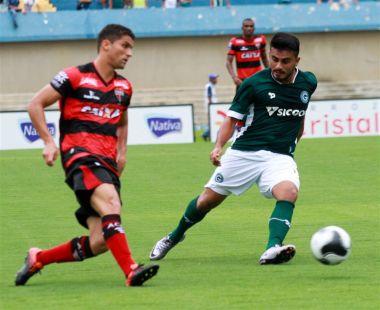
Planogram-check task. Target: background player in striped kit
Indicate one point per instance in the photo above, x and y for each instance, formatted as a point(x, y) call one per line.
point(273, 102)
point(248, 51)
point(93, 101)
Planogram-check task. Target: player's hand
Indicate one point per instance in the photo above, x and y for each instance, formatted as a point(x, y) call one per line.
point(50, 153)
point(121, 161)
point(215, 155)
point(237, 81)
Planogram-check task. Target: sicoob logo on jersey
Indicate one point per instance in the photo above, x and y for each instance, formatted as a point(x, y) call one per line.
point(160, 126)
point(281, 112)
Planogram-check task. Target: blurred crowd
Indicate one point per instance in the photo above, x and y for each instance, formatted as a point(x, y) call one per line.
point(138, 4)
point(25, 6)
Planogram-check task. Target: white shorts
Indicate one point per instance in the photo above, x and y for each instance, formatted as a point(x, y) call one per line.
point(240, 170)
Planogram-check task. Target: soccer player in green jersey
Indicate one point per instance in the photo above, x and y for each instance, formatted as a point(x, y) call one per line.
point(274, 102)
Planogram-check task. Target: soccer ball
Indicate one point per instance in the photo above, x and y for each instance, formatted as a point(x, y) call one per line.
point(331, 245)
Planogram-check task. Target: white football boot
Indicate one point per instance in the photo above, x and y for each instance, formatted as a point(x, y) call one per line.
point(278, 254)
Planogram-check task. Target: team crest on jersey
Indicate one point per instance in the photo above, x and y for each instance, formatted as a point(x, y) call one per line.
point(119, 94)
point(219, 178)
point(304, 96)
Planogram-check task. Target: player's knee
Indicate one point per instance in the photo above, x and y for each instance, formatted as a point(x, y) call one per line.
point(109, 205)
point(113, 205)
point(292, 195)
point(286, 191)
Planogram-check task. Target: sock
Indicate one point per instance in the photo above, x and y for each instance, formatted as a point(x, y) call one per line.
point(77, 249)
point(117, 242)
point(279, 222)
point(191, 217)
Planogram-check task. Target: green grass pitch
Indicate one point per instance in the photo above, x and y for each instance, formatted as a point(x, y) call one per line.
point(216, 267)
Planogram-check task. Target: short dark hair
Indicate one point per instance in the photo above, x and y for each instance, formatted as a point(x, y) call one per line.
point(285, 41)
point(113, 32)
point(248, 19)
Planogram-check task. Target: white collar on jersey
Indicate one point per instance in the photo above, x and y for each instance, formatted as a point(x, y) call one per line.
point(294, 78)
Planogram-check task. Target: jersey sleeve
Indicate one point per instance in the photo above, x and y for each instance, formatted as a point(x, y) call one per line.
point(62, 83)
point(263, 44)
point(209, 91)
point(242, 100)
point(130, 93)
point(231, 47)
point(312, 80)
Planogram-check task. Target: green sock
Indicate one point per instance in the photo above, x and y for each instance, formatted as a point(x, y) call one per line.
point(279, 222)
point(191, 217)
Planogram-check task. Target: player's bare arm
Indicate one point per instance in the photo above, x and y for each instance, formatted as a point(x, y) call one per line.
point(44, 98)
point(225, 133)
point(230, 68)
point(122, 138)
point(300, 132)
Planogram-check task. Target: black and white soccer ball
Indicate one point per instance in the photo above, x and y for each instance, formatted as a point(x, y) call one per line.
point(331, 245)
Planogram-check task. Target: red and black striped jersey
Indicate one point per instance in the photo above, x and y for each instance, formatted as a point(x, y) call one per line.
point(247, 55)
point(90, 112)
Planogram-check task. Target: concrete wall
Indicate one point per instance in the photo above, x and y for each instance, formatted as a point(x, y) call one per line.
point(185, 62)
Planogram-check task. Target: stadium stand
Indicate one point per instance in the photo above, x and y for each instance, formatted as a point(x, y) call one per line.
point(63, 5)
point(70, 5)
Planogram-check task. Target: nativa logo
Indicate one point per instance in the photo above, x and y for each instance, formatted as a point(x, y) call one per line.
point(30, 133)
point(162, 125)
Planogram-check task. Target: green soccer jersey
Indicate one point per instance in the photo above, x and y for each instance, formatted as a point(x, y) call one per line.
point(272, 112)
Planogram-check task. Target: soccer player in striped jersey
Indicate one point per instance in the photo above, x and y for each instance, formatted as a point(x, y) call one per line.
point(248, 51)
point(93, 101)
point(273, 103)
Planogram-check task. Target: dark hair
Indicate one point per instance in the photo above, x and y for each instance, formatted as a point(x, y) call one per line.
point(248, 19)
point(113, 32)
point(285, 41)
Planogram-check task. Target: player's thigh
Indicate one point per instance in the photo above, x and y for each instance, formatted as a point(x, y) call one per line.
point(236, 174)
point(279, 168)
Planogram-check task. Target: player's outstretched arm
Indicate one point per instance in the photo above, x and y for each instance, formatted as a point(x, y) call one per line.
point(300, 132)
point(225, 133)
point(44, 98)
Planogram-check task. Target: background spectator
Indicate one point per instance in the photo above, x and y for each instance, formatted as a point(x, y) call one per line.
point(169, 4)
point(83, 4)
point(140, 4)
point(210, 97)
point(215, 3)
point(184, 3)
point(28, 5)
point(13, 9)
point(128, 4)
point(107, 4)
